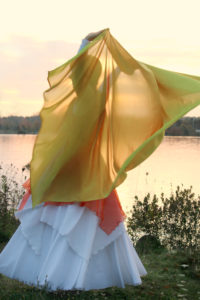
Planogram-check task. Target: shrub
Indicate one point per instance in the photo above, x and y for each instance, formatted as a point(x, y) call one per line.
point(174, 221)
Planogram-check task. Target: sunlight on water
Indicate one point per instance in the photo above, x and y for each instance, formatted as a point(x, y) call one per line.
point(175, 162)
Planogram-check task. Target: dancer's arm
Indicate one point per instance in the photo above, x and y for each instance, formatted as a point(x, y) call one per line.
point(91, 36)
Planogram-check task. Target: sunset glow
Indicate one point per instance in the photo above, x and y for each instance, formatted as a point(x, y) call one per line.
point(37, 36)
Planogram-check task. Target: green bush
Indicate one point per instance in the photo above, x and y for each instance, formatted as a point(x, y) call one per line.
point(174, 221)
point(10, 195)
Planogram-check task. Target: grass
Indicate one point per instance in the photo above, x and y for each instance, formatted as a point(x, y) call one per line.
point(171, 275)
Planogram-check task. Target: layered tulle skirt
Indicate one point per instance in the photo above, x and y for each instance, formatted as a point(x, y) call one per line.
point(63, 247)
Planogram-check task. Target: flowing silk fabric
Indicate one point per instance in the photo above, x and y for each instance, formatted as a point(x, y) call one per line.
point(104, 114)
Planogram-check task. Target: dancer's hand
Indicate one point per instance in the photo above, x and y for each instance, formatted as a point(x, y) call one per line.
point(91, 36)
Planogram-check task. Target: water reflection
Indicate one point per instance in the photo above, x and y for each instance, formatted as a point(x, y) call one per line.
point(175, 162)
point(16, 149)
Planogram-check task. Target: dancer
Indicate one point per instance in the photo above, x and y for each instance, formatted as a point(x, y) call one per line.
point(72, 245)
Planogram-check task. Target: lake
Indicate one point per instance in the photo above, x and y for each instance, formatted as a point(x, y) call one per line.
point(175, 162)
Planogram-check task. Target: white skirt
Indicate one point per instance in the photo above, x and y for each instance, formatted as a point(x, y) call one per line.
point(63, 247)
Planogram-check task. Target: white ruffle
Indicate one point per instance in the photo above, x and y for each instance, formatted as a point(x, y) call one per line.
point(64, 247)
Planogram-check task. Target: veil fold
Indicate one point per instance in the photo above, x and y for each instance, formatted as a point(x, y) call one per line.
point(104, 114)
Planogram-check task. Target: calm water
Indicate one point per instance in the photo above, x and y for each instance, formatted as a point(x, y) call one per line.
point(175, 162)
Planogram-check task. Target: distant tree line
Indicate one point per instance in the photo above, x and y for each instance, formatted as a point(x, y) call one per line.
point(188, 126)
point(20, 125)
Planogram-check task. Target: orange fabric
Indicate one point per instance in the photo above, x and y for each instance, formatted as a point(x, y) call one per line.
point(27, 186)
point(108, 210)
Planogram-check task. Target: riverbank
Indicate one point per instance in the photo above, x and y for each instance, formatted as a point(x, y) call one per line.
point(170, 276)
point(9, 131)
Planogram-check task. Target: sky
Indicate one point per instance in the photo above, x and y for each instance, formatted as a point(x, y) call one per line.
point(38, 35)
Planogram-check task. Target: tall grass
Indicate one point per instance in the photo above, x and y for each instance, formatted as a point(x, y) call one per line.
point(11, 193)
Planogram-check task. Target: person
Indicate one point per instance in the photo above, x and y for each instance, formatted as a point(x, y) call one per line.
point(72, 245)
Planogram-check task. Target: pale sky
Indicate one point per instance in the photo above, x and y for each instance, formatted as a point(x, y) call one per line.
point(38, 35)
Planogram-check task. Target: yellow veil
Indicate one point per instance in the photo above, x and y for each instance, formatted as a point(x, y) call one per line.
point(104, 114)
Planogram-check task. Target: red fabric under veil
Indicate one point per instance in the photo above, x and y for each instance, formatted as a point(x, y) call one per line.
point(108, 210)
